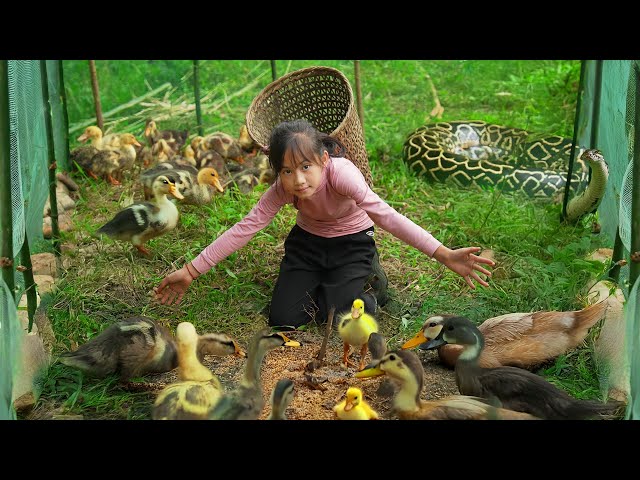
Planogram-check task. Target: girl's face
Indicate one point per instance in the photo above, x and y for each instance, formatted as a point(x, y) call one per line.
point(304, 179)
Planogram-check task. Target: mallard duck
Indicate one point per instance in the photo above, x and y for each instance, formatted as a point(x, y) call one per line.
point(138, 346)
point(354, 329)
point(515, 388)
point(246, 401)
point(197, 389)
point(522, 340)
point(193, 185)
point(354, 407)
point(405, 367)
point(142, 221)
point(281, 397)
point(174, 138)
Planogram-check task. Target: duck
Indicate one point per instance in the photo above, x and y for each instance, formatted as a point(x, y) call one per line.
point(138, 346)
point(197, 389)
point(98, 139)
point(225, 145)
point(523, 340)
point(354, 329)
point(246, 401)
point(193, 185)
point(127, 152)
point(98, 163)
point(142, 221)
point(514, 388)
point(174, 138)
point(281, 397)
point(405, 367)
point(354, 407)
point(245, 141)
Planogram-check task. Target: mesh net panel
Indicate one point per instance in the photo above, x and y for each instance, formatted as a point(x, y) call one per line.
point(8, 349)
point(633, 345)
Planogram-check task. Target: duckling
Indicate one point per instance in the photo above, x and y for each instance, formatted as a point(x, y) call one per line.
point(246, 401)
point(127, 152)
point(513, 387)
point(354, 329)
point(405, 367)
point(197, 389)
point(193, 185)
point(245, 141)
point(162, 152)
point(174, 138)
point(94, 134)
point(225, 145)
point(280, 399)
point(103, 163)
point(354, 407)
point(522, 340)
point(143, 221)
point(138, 346)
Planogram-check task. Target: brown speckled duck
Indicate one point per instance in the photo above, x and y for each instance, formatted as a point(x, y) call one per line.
point(522, 340)
point(138, 346)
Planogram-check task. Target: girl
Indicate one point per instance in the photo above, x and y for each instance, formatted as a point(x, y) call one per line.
point(328, 253)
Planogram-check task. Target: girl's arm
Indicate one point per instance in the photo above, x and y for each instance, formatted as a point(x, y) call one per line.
point(348, 180)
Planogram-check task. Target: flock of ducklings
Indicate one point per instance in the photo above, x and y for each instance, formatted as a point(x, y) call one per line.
point(204, 166)
point(491, 366)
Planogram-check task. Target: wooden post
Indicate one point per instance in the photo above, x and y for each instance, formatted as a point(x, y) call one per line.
point(6, 213)
point(96, 94)
point(196, 93)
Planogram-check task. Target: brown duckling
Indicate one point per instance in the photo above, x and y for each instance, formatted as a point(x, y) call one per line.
point(225, 145)
point(197, 389)
point(405, 367)
point(138, 346)
point(281, 397)
point(513, 387)
point(142, 221)
point(246, 401)
point(245, 141)
point(522, 340)
point(174, 138)
point(195, 186)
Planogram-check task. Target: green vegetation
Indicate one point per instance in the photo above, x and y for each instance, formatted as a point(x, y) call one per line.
point(540, 267)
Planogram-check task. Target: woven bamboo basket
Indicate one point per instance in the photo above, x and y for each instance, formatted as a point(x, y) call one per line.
point(320, 95)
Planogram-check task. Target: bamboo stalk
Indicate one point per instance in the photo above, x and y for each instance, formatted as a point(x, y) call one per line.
point(196, 88)
point(6, 214)
point(274, 75)
point(110, 113)
point(65, 115)
point(96, 93)
point(356, 64)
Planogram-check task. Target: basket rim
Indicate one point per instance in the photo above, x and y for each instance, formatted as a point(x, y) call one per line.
point(267, 90)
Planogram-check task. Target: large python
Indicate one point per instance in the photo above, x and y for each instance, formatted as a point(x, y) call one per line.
point(483, 154)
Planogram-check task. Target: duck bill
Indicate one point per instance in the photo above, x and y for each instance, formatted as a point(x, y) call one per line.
point(288, 342)
point(218, 185)
point(82, 138)
point(174, 191)
point(136, 143)
point(415, 341)
point(238, 351)
point(355, 313)
point(369, 371)
point(349, 405)
point(434, 343)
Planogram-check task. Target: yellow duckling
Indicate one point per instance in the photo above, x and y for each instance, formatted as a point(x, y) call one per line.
point(522, 340)
point(354, 407)
point(281, 397)
point(138, 346)
point(354, 329)
point(174, 138)
point(142, 221)
point(246, 401)
point(405, 367)
point(197, 389)
point(193, 185)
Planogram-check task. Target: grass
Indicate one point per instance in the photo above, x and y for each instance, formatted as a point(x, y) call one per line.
point(541, 264)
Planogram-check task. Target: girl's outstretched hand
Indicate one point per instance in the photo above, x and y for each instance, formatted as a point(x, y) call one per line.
point(172, 288)
point(465, 263)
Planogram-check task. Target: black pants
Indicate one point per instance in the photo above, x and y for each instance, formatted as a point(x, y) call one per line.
point(317, 273)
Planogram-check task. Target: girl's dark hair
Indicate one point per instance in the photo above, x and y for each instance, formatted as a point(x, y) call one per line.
point(303, 140)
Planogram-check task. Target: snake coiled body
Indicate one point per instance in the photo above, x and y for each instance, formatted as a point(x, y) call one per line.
point(478, 153)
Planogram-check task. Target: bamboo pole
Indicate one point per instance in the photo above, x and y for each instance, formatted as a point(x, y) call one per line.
point(130, 103)
point(356, 64)
point(634, 267)
point(196, 90)
point(53, 200)
point(29, 282)
point(6, 214)
point(96, 94)
point(274, 75)
point(65, 115)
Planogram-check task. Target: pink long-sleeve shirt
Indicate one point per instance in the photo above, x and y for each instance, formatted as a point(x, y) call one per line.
point(343, 204)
